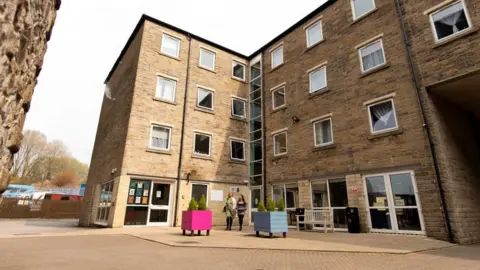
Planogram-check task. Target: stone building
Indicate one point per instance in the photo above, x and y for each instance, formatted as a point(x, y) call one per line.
point(356, 105)
point(26, 28)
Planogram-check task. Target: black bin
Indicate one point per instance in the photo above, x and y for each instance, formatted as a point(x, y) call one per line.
point(353, 220)
point(300, 211)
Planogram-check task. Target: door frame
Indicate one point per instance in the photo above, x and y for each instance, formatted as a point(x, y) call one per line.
point(287, 209)
point(160, 207)
point(391, 204)
point(332, 209)
point(250, 208)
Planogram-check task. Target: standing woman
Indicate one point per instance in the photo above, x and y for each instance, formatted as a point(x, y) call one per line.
point(241, 208)
point(230, 211)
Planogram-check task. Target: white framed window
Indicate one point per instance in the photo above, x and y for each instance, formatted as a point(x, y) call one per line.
point(202, 144)
point(237, 150)
point(318, 79)
point(362, 7)
point(382, 116)
point(280, 143)
point(104, 203)
point(278, 98)
point(170, 45)
point(372, 55)
point(277, 57)
point(314, 34)
point(207, 59)
point(205, 98)
point(322, 132)
point(450, 21)
point(166, 89)
point(198, 190)
point(238, 70)
point(238, 108)
point(160, 137)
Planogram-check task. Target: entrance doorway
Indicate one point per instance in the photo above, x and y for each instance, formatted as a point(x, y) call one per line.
point(289, 192)
point(331, 195)
point(255, 198)
point(393, 203)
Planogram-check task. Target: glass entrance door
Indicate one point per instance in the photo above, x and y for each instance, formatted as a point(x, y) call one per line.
point(255, 197)
point(159, 207)
point(331, 195)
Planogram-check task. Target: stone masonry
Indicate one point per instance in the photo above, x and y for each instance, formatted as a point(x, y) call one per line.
point(26, 26)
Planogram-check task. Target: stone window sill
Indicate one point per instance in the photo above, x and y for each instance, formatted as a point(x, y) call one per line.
point(455, 37)
point(158, 151)
point(202, 157)
point(204, 110)
point(164, 101)
point(314, 45)
point(385, 134)
point(275, 158)
point(374, 70)
point(281, 108)
point(238, 118)
point(207, 69)
point(277, 67)
point(238, 79)
point(324, 147)
point(239, 162)
point(363, 16)
point(169, 56)
point(318, 93)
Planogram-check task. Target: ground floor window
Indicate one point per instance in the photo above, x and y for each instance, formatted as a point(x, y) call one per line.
point(198, 190)
point(290, 194)
point(105, 203)
point(331, 194)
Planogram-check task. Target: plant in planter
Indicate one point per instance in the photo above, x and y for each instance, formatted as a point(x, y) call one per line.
point(197, 217)
point(271, 221)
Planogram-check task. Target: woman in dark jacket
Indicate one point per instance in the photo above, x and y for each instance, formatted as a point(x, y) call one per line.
point(241, 209)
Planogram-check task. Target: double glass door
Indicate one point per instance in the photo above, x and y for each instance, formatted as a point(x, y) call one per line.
point(393, 203)
point(331, 195)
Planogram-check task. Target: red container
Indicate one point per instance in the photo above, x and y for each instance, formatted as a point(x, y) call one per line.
point(197, 221)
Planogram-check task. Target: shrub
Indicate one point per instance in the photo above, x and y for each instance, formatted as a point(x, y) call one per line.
point(202, 205)
point(193, 205)
point(271, 205)
point(281, 205)
point(261, 207)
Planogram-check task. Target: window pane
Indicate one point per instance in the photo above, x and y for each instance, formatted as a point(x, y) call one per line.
point(256, 124)
point(198, 191)
point(170, 45)
point(319, 194)
point(383, 116)
point(291, 195)
point(372, 55)
point(166, 88)
point(158, 215)
point(202, 144)
point(256, 84)
point(402, 189)
point(377, 196)
point(277, 57)
point(256, 108)
point(323, 132)
point(256, 135)
point(238, 70)
point(380, 218)
point(408, 219)
point(314, 34)
point(237, 149)
point(205, 98)
point(139, 192)
point(318, 79)
point(338, 193)
point(238, 108)
point(450, 20)
point(280, 143)
point(361, 7)
point(256, 197)
point(256, 180)
point(160, 137)
point(256, 151)
point(256, 168)
point(160, 194)
point(255, 72)
point(278, 192)
point(279, 97)
point(207, 59)
point(136, 215)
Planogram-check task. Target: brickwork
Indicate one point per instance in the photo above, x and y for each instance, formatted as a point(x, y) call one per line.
point(356, 198)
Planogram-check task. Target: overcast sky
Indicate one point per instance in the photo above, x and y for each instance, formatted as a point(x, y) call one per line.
point(89, 35)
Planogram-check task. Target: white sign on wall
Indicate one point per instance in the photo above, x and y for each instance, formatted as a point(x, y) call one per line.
point(217, 195)
point(234, 189)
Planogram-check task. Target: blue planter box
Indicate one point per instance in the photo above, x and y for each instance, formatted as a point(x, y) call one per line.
point(270, 222)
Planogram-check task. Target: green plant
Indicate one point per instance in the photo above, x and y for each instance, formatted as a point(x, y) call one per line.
point(202, 204)
point(193, 205)
point(261, 207)
point(271, 205)
point(281, 205)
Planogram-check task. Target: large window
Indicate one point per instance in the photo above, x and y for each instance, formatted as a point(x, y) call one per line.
point(290, 195)
point(314, 34)
point(105, 203)
point(362, 7)
point(160, 137)
point(277, 57)
point(382, 116)
point(170, 46)
point(238, 70)
point(318, 79)
point(372, 55)
point(207, 59)
point(332, 195)
point(238, 108)
point(202, 144)
point(166, 89)
point(237, 150)
point(278, 97)
point(280, 143)
point(137, 202)
point(198, 190)
point(450, 20)
point(323, 133)
point(205, 98)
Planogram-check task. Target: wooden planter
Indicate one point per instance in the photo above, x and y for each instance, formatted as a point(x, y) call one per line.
point(197, 221)
point(271, 222)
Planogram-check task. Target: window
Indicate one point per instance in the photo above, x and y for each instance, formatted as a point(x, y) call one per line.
point(278, 97)
point(322, 131)
point(170, 45)
point(314, 34)
point(160, 137)
point(166, 89)
point(202, 144)
point(277, 57)
point(104, 203)
point(362, 7)
point(280, 144)
point(238, 108)
point(238, 70)
point(318, 79)
point(198, 190)
point(205, 99)
point(207, 59)
point(382, 116)
point(237, 150)
point(372, 55)
point(450, 20)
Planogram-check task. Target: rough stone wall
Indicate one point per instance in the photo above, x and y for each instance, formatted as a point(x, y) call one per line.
point(25, 28)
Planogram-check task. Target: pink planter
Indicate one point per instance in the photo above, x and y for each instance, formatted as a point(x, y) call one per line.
point(197, 221)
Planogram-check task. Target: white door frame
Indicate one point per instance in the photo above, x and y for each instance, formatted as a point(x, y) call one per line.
point(391, 204)
point(160, 207)
point(287, 209)
point(251, 210)
point(329, 204)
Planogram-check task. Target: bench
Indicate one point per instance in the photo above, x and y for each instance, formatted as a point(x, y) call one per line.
point(317, 217)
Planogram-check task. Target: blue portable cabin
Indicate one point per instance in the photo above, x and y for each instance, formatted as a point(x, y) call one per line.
point(15, 191)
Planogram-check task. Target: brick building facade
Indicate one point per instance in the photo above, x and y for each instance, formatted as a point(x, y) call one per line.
point(355, 105)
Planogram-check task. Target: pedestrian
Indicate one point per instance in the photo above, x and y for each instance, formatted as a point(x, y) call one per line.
point(241, 208)
point(229, 209)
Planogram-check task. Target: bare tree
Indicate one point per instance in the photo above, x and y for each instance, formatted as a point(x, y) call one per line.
point(33, 147)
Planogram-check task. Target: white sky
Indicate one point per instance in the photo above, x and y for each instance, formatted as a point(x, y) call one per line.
point(89, 35)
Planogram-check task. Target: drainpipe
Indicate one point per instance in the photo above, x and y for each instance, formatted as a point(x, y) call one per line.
point(416, 82)
point(264, 139)
point(182, 132)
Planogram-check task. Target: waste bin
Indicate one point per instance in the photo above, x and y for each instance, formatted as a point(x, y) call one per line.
point(353, 220)
point(300, 211)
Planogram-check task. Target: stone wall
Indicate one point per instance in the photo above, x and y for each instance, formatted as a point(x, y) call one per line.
point(26, 28)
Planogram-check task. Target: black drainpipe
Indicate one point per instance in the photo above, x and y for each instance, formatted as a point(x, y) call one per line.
point(264, 139)
point(416, 80)
point(179, 171)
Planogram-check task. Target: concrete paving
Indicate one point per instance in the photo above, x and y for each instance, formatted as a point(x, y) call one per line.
point(13, 227)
